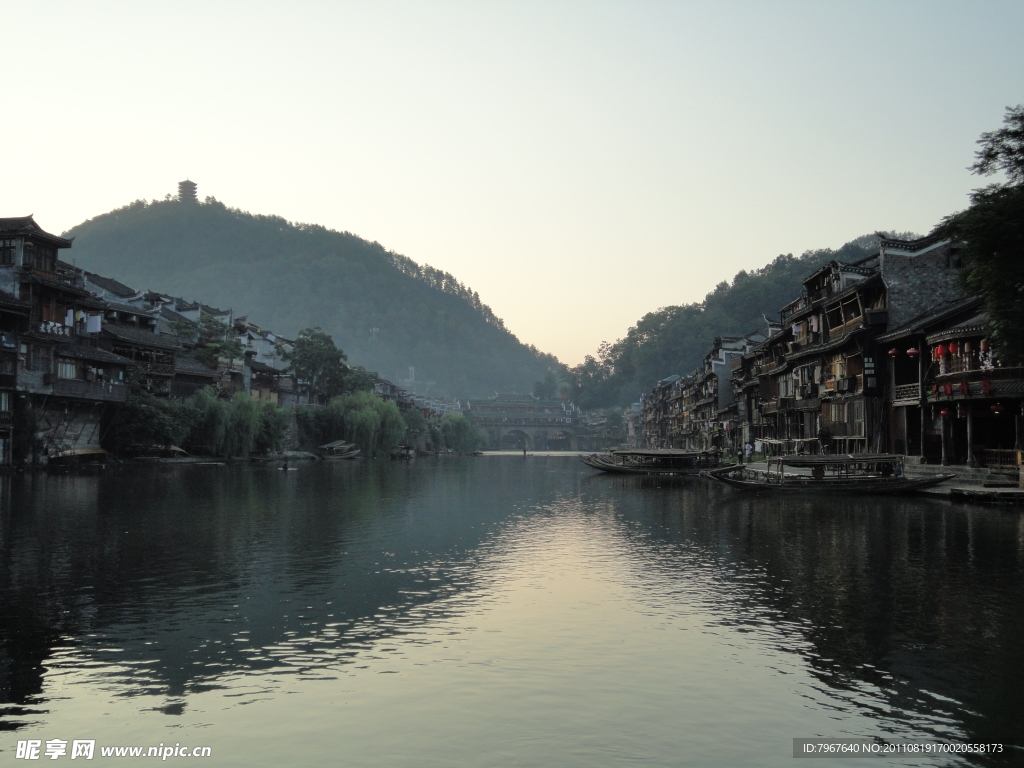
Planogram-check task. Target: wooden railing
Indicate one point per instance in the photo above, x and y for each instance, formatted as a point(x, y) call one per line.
point(90, 390)
point(991, 457)
point(907, 392)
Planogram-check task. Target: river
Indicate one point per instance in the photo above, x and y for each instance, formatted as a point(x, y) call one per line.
point(498, 611)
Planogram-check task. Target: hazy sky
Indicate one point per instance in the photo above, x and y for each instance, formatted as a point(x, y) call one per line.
point(577, 163)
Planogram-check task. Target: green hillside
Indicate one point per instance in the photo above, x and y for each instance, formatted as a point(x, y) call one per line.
point(676, 339)
point(383, 309)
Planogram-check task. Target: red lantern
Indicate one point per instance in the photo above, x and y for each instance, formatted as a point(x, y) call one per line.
point(941, 350)
point(984, 345)
point(913, 352)
point(893, 352)
point(953, 347)
point(997, 408)
point(945, 412)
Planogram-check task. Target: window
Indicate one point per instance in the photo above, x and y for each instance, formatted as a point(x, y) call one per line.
point(40, 358)
point(67, 369)
point(5, 401)
point(7, 249)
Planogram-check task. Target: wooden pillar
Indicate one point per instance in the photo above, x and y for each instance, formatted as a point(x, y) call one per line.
point(970, 435)
point(1018, 429)
point(945, 441)
point(924, 403)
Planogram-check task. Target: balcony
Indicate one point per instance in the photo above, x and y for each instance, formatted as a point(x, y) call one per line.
point(907, 392)
point(807, 391)
point(90, 390)
point(6, 419)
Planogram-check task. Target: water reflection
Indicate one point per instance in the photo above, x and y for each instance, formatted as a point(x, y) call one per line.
point(245, 583)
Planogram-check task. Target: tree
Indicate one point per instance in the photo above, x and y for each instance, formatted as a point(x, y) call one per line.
point(546, 388)
point(1003, 149)
point(460, 434)
point(317, 363)
point(991, 233)
point(210, 340)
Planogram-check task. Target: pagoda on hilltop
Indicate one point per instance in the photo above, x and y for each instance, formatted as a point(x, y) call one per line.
point(187, 192)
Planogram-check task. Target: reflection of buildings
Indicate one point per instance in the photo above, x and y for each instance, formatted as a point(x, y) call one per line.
point(880, 601)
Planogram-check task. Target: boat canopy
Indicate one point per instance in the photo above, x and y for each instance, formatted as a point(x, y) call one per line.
point(663, 452)
point(830, 460)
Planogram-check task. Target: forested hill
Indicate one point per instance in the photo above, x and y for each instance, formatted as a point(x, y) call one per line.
point(676, 339)
point(384, 310)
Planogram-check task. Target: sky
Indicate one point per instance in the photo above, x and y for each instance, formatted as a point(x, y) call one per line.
point(579, 164)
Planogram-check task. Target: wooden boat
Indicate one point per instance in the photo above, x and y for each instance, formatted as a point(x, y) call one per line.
point(338, 449)
point(845, 473)
point(654, 461)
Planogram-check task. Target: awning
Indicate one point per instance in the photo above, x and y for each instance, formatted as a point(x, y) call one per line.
point(76, 452)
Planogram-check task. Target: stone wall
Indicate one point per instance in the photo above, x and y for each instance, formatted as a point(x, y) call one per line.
point(918, 282)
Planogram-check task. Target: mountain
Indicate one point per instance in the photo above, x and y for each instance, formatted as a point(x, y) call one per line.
point(386, 312)
point(676, 339)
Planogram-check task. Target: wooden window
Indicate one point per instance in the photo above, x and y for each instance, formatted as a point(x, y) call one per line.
point(7, 249)
point(40, 358)
point(66, 369)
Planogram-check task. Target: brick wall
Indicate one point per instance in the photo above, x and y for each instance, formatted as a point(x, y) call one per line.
point(918, 282)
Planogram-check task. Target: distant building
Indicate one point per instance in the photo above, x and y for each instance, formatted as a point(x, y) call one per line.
point(187, 192)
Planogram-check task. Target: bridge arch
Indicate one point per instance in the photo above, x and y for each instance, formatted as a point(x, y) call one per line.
point(514, 439)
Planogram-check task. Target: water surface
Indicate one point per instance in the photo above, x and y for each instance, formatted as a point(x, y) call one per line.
point(498, 611)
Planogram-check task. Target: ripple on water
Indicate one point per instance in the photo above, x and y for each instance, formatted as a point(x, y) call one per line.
point(503, 613)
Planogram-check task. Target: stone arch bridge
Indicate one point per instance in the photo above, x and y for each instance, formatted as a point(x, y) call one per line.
point(514, 421)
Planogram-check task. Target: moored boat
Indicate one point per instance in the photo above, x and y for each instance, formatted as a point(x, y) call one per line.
point(844, 473)
point(654, 461)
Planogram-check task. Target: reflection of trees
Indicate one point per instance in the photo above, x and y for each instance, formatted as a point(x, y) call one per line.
point(178, 565)
point(909, 596)
point(192, 558)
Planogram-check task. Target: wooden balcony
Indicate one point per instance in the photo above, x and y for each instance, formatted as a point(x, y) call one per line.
point(90, 390)
point(910, 392)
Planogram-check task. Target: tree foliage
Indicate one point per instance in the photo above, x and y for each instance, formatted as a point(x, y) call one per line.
point(1003, 149)
point(376, 427)
point(317, 363)
point(460, 434)
point(387, 312)
point(203, 424)
point(675, 339)
point(991, 233)
point(207, 340)
point(546, 388)
point(145, 420)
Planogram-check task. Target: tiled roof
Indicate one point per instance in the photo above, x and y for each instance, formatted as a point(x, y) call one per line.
point(258, 367)
point(111, 285)
point(130, 309)
point(60, 285)
point(82, 352)
point(26, 225)
point(137, 336)
point(192, 367)
point(170, 314)
point(12, 302)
